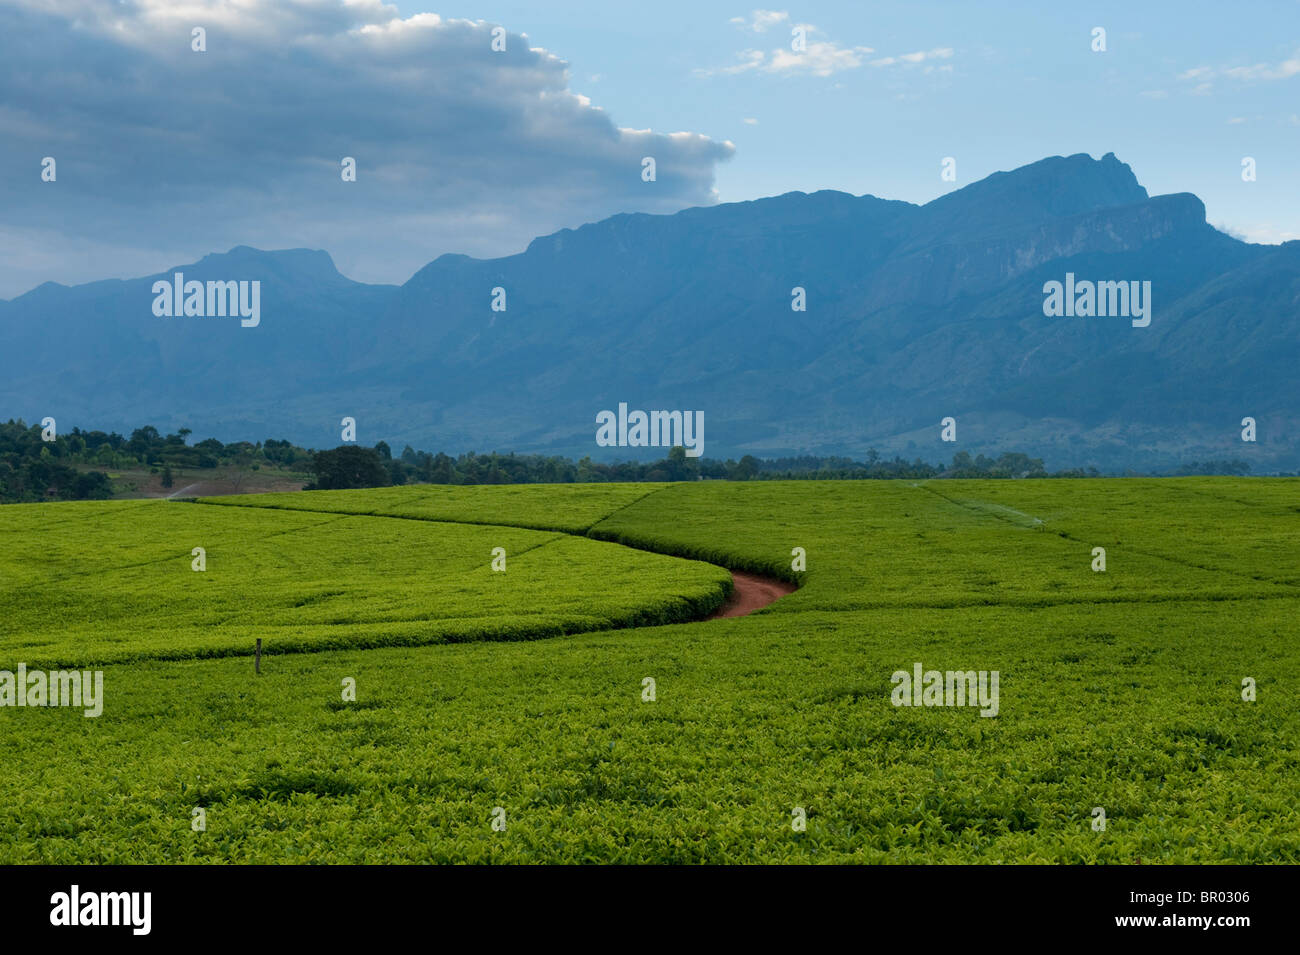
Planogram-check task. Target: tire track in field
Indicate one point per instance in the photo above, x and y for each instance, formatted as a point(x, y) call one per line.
point(87, 518)
point(1177, 561)
point(337, 516)
point(586, 531)
point(185, 554)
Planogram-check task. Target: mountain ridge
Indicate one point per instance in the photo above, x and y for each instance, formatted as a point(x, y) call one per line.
point(914, 313)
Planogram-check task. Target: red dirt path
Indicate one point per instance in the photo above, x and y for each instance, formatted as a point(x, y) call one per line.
point(752, 592)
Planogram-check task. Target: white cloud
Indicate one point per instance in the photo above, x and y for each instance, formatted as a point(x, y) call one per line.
point(1263, 71)
point(1256, 72)
point(760, 21)
point(819, 59)
point(458, 148)
point(941, 53)
point(749, 60)
point(1262, 233)
point(824, 58)
point(750, 121)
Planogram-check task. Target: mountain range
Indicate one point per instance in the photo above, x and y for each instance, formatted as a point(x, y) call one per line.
point(914, 313)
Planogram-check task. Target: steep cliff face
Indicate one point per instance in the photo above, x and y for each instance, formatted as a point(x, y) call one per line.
point(913, 313)
point(1054, 188)
point(1122, 229)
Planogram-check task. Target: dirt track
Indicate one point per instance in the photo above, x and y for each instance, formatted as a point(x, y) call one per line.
point(752, 592)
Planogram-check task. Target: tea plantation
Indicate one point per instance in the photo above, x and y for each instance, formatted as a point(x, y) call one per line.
point(1160, 691)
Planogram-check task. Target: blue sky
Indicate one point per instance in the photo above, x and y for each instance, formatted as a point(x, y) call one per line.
point(165, 154)
point(1183, 91)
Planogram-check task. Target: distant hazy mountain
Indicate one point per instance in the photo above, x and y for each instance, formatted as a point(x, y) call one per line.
point(914, 313)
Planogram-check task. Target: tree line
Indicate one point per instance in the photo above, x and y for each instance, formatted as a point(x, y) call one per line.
point(73, 465)
point(354, 466)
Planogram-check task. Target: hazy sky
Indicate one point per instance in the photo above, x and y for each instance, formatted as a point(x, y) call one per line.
point(165, 154)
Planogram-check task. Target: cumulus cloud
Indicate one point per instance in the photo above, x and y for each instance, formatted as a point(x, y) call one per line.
point(165, 154)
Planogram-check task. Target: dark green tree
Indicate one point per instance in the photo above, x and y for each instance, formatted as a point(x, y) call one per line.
point(348, 466)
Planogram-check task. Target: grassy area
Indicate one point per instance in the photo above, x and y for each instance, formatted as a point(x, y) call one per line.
point(1120, 690)
point(102, 582)
point(573, 508)
point(962, 543)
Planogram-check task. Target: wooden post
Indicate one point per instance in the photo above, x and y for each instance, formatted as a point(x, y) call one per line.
point(257, 659)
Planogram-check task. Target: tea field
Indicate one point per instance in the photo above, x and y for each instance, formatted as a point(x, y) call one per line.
point(1120, 690)
point(105, 582)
